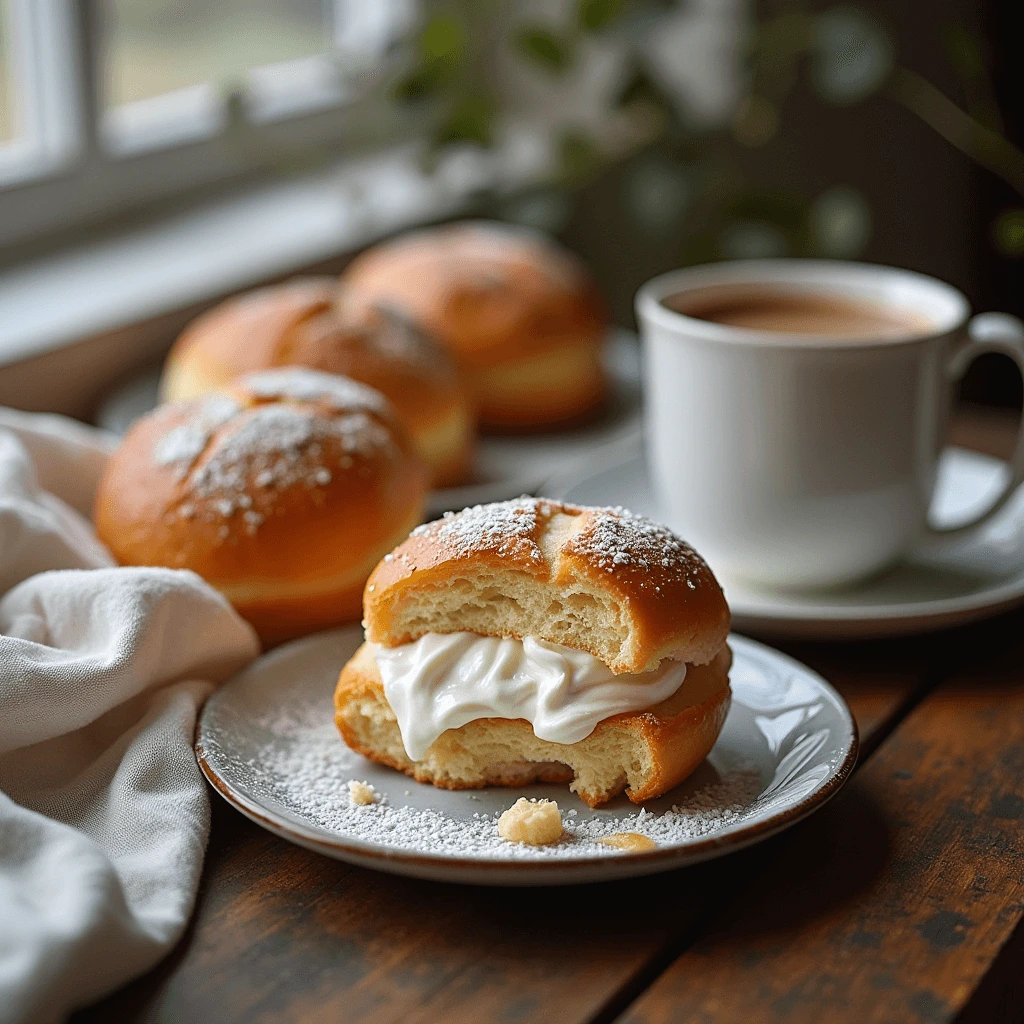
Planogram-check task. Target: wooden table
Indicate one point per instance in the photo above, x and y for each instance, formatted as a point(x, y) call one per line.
point(901, 901)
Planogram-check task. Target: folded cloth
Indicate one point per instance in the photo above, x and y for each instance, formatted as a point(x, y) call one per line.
point(104, 815)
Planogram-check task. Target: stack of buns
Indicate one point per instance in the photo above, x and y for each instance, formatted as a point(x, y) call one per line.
point(306, 322)
point(303, 422)
point(625, 624)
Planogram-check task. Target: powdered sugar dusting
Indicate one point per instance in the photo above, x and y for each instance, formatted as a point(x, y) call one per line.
point(385, 330)
point(232, 458)
point(268, 736)
point(311, 770)
point(507, 528)
point(618, 539)
point(275, 447)
point(185, 443)
point(615, 540)
point(299, 384)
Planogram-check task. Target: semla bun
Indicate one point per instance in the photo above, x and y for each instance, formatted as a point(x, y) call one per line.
point(604, 581)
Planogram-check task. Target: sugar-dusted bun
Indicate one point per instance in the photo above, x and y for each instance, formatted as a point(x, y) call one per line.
point(521, 315)
point(604, 581)
point(306, 322)
point(646, 753)
point(283, 491)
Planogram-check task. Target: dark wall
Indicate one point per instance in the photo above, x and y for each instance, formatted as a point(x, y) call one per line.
point(932, 207)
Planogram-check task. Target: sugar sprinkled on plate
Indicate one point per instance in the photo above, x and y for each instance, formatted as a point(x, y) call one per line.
point(307, 767)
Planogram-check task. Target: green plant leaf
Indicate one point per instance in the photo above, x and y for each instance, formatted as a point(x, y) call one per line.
point(1008, 232)
point(544, 47)
point(963, 51)
point(443, 39)
point(594, 15)
point(442, 46)
point(470, 120)
point(419, 84)
point(579, 156)
point(639, 88)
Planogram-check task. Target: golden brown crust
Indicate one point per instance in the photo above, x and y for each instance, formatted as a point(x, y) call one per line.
point(241, 335)
point(676, 736)
point(669, 598)
point(521, 315)
point(307, 322)
point(282, 491)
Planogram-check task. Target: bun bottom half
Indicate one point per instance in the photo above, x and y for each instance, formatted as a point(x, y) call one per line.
point(284, 608)
point(643, 753)
point(448, 446)
point(551, 390)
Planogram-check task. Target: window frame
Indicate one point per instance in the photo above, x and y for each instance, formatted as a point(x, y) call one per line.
point(70, 172)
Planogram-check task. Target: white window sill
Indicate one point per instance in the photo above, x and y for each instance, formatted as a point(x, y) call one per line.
point(216, 249)
point(75, 322)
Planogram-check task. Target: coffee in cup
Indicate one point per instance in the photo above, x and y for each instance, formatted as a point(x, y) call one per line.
point(784, 311)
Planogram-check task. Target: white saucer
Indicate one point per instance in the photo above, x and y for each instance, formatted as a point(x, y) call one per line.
point(506, 467)
point(268, 744)
point(980, 578)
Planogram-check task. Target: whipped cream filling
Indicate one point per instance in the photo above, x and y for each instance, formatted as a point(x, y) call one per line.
point(444, 680)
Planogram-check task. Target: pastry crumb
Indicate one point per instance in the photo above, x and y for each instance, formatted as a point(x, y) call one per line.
point(632, 841)
point(533, 822)
point(361, 793)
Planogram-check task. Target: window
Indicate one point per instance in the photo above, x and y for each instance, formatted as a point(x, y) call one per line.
point(109, 104)
point(9, 113)
point(171, 64)
point(154, 47)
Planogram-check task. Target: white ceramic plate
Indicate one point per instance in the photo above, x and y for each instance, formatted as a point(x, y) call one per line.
point(268, 744)
point(979, 578)
point(506, 467)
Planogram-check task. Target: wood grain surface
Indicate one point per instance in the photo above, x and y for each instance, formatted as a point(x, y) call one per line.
point(284, 934)
point(894, 902)
point(900, 901)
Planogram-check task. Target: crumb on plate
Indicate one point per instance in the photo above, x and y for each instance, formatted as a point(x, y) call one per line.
point(534, 822)
point(361, 793)
point(632, 841)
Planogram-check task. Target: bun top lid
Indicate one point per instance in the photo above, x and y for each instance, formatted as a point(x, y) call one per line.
point(604, 580)
point(490, 291)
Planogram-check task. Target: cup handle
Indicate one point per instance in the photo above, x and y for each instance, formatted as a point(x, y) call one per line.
point(987, 332)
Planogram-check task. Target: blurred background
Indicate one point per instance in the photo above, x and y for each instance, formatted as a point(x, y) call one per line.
point(156, 155)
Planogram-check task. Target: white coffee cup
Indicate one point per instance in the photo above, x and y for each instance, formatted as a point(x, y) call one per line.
point(802, 460)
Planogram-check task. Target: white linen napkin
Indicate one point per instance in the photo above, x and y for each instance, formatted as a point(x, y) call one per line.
point(104, 815)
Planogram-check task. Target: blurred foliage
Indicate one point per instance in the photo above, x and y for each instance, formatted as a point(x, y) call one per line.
point(1008, 232)
point(687, 180)
point(546, 49)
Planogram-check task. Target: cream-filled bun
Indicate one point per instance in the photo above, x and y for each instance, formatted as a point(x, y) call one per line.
point(306, 322)
point(521, 314)
point(532, 640)
point(283, 491)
